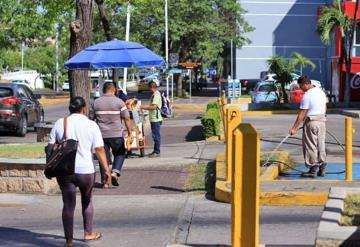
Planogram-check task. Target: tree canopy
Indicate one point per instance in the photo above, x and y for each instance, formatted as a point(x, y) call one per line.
point(198, 30)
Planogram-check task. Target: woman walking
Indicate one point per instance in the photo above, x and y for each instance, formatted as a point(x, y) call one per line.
point(88, 135)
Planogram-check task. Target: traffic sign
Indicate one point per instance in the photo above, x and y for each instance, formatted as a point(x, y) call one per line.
point(173, 58)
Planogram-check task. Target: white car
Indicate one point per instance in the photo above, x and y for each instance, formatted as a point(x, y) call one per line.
point(271, 77)
point(21, 82)
point(66, 86)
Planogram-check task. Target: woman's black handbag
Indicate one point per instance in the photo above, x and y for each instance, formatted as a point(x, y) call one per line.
point(60, 159)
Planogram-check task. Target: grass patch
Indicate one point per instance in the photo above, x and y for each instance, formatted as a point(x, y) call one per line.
point(350, 216)
point(202, 178)
point(29, 151)
point(245, 96)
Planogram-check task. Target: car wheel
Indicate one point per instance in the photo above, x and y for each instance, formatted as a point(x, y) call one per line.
point(22, 129)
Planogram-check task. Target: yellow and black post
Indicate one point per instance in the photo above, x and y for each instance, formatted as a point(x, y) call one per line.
point(348, 149)
point(233, 119)
point(245, 187)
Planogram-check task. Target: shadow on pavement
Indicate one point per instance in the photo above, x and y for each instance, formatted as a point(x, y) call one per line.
point(195, 134)
point(20, 237)
point(167, 188)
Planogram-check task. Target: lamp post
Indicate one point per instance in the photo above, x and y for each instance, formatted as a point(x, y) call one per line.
point(127, 36)
point(167, 45)
point(22, 56)
point(56, 86)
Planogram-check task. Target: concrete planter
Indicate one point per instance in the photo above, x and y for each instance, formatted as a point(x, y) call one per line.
point(330, 233)
point(25, 176)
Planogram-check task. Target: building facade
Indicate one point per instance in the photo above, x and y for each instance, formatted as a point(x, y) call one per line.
point(281, 28)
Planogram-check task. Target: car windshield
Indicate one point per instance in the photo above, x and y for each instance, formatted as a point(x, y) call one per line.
point(5, 92)
point(266, 88)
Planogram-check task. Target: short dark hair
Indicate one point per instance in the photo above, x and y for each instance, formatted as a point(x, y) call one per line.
point(76, 104)
point(304, 80)
point(152, 83)
point(107, 86)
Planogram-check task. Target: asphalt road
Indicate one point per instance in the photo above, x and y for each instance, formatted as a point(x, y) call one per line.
point(52, 113)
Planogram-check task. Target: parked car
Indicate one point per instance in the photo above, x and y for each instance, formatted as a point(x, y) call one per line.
point(19, 108)
point(22, 82)
point(66, 86)
point(271, 77)
point(143, 84)
point(296, 94)
point(265, 91)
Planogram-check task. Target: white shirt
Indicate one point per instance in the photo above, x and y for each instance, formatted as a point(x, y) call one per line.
point(314, 100)
point(86, 132)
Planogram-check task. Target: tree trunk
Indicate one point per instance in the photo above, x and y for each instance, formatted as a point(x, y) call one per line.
point(179, 86)
point(108, 34)
point(80, 37)
point(285, 96)
point(104, 19)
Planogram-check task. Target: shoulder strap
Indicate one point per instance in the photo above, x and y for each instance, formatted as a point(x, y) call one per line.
point(65, 128)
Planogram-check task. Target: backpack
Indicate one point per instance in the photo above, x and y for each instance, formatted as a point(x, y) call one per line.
point(166, 107)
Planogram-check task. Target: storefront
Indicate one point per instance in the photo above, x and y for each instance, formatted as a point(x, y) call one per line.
point(338, 70)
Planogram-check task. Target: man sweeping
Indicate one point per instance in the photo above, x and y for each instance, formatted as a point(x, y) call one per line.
point(313, 115)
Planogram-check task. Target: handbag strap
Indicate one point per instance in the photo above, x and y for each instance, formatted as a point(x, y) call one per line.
point(65, 129)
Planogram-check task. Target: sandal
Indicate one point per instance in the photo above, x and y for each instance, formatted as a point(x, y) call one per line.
point(93, 236)
point(105, 186)
point(114, 180)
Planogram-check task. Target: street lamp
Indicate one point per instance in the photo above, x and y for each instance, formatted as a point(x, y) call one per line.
point(166, 45)
point(127, 36)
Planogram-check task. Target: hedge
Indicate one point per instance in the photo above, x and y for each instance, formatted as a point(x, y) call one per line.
point(212, 105)
point(211, 122)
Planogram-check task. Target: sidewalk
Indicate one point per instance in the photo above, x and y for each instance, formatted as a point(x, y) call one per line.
point(149, 220)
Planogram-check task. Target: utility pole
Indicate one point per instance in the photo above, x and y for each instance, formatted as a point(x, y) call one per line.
point(231, 60)
point(22, 56)
point(127, 36)
point(56, 86)
point(167, 45)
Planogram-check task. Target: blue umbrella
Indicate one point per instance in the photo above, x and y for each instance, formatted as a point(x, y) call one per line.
point(114, 54)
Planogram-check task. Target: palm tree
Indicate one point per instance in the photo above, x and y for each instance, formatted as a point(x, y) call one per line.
point(332, 18)
point(303, 61)
point(283, 70)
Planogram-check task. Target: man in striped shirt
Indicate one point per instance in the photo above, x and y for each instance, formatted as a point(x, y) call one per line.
point(109, 111)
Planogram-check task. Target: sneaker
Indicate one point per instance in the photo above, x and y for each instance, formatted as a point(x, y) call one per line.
point(154, 155)
point(311, 173)
point(321, 172)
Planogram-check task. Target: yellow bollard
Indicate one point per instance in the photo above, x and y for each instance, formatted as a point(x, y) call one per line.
point(233, 119)
point(348, 147)
point(245, 187)
point(222, 114)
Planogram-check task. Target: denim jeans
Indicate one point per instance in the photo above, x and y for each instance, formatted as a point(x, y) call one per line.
point(117, 147)
point(155, 130)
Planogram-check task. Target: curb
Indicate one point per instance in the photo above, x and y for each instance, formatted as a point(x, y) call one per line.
point(330, 232)
point(350, 114)
point(273, 198)
point(293, 198)
point(182, 228)
point(273, 171)
point(190, 107)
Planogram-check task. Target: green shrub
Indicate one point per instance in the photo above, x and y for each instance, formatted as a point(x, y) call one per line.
point(211, 122)
point(212, 105)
